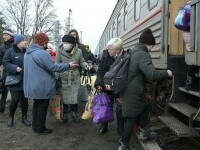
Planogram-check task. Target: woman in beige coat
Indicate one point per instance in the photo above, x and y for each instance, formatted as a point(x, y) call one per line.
point(71, 80)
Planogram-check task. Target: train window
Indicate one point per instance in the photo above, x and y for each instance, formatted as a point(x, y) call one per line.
point(137, 9)
point(125, 17)
point(152, 4)
point(118, 25)
point(110, 32)
point(113, 30)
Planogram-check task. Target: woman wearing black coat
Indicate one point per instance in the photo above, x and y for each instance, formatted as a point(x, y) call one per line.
point(13, 64)
point(114, 49)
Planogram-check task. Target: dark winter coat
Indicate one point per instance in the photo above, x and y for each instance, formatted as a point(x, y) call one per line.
point(12, 59)
point(3, 48)
point(104, 66)
point(140, 69)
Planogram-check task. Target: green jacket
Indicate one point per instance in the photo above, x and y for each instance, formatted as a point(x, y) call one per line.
point(71, 78)
point(140, 69)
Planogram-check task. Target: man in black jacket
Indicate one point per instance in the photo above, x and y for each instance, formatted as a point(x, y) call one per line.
point(8, 43)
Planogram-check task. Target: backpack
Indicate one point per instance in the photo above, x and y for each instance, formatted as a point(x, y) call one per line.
point(116, 77)
point(182, 21)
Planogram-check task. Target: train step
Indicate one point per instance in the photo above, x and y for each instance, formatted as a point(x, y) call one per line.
point(179, 128)
point(185, 109)
point(195, 93)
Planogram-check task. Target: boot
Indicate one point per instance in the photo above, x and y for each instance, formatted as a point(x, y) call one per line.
point(45, 131)
point(75, 117)
point(65, 118)
point(10, 121)
point(104, 128)
point(146, 134)
point(26, 121)
point(123, 146)
point(190, 83)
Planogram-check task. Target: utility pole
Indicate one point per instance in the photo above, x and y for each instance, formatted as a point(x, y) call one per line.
point(69, 22)
point(81, 37)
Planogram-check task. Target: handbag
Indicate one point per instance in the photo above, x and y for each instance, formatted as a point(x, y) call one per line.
point(56, 107)
point(102, 109)
point(85, 88)
point(88, 107)
point(182, 21)
point(12, 80)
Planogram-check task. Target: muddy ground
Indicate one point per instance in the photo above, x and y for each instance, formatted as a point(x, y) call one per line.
point(71, 136)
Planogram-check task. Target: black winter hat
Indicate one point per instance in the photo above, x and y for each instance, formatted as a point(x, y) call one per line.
point(147, 37)
point(69, 39)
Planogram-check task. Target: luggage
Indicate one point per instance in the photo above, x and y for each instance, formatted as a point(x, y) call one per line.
point(56, 107)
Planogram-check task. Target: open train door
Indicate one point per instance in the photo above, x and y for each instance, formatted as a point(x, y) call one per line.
point(193, 57)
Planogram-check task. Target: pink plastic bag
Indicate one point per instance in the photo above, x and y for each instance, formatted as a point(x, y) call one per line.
point(186, 38)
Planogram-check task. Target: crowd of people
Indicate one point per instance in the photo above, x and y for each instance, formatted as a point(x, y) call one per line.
point(37, 64)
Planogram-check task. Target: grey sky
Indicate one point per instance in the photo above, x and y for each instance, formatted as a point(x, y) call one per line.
point(89, 16)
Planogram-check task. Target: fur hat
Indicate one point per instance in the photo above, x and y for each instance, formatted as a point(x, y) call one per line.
point(147, 37)
point(8, 31)
point(18, 38)
point(41, 39)
point(69, 39)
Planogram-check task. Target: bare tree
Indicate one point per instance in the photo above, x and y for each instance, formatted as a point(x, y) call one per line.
point(30, 16)
point(45, 16)
point(2, 25)
point(16, 14)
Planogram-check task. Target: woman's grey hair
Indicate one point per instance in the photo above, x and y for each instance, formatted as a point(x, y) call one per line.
point(116, 43)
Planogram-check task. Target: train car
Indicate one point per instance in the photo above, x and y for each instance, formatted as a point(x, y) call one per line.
point(177, 107)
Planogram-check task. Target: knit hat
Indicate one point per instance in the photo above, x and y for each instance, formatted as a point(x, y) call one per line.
point(8, 31)
point(18, 38)
point(41, 39)
point(69, 39)
point(147, 37)
point(49, 45)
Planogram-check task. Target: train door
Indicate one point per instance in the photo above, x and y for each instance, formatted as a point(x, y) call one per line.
point(175, 38)
point(182, 111)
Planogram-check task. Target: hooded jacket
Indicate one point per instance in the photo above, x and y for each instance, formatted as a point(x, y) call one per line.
point(140, 69)
point(39, 82)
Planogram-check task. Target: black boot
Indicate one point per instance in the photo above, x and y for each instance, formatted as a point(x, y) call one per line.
point(75, 117)
point(26, 121)
point(45, 131)
point(10, 121)
point(104, 128)
point(65, 118)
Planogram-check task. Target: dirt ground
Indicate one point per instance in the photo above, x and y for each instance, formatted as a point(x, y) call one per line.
point(71, 136)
